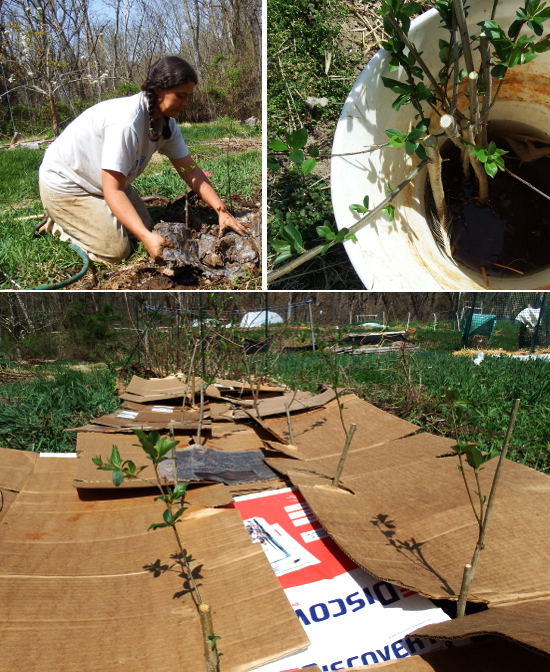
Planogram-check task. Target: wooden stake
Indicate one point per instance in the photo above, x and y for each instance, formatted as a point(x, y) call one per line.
point(349, 437)
point(466, 579)
point(201, 414)
point(289, 423)
point(210, 648)
point(469, 573)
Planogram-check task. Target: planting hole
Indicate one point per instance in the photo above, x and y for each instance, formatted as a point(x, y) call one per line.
point(509, 237)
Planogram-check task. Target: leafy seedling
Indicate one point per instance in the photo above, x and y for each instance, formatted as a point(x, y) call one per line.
point(156, 448)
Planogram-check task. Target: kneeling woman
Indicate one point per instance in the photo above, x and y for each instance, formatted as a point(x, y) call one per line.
point(87, 172)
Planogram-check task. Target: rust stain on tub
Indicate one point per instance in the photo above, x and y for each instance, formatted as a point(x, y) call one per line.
point(532, 89)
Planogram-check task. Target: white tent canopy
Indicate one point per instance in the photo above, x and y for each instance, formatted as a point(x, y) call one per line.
point(258, 319)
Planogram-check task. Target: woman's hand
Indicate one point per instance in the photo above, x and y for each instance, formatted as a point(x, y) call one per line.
point(155, 243)
point(227, 221)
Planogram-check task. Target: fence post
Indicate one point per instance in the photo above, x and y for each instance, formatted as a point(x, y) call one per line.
point(201, 320)
point(535, 335)
point(311, 325)
point(468, 325)
point(266, 331)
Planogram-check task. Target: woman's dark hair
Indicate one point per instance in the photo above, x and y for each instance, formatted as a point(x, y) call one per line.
point(170, 71)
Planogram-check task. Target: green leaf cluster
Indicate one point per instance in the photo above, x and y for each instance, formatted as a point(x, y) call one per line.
point(290, 245)
point(491, 158)
point(120, 470)
point(403, 11)
point(409, 92)
point(356, 207)
point(411, 140)
point(512, 49)
point(328, 234)
point(475, 457)
point(294, 145)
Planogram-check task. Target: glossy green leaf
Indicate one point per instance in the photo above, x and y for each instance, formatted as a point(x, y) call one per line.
point(292, 234)
point(115, 457)
point(277, 146)
point(308, 165)
point(323, 231)
point(297, 156)
point(272, 163)
point(180, 490)
point(298, 139)
point(118, 477)
point(491, 168)
point(396, 86)
point(156, 526)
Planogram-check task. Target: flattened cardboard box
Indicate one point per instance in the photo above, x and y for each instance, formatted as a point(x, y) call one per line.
point(142, 391)
point(89, 445)
point(15, 468)
point(491, 655)
point(526, 623)
point(158, 416)
point(229, 437)
point(276, 405)
point(402, 513)
point(84, 587)
point(320, 432)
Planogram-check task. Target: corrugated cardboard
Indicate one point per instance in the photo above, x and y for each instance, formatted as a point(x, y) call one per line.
point(88, 445)
point(276, 405)
point(402, 512)
point(15, 468)
point(84, 587)
point(320, 432)
point(238, 437)
point(152, 417)
point(235, 436)
point(527, 623)
point(157, 389)
point(490, 655)
point(238, 387)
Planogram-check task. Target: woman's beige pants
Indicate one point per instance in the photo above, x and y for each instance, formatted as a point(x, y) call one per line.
point(88, 222)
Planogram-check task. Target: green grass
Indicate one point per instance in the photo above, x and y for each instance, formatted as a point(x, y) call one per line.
point(221, 128)
point(307, 57)
point(35, 412)
point(19, 177)
point(244, 176)
point(27, 262)
point(489, 390)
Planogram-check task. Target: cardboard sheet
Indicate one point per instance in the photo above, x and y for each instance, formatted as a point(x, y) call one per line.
point(156, 389)
point(527, 623)
point(15, 468)
point(157, 416)
point(490, 655)
point(347, 614)
point(403, 514)
point(276, 405)
point(320, 432)
point(89, 445)
point(239, 387)
point(235, 436)
point(84, 587)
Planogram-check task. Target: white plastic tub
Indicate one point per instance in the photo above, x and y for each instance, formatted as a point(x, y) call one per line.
point(402, 255)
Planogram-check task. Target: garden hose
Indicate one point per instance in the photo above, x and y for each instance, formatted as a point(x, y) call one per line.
point(74, 278)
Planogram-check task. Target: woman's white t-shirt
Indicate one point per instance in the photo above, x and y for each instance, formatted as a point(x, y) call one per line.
point(112, 135)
